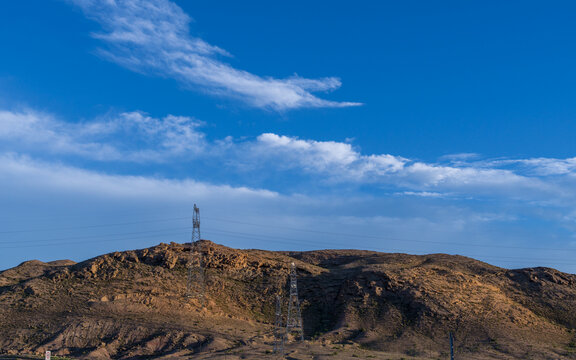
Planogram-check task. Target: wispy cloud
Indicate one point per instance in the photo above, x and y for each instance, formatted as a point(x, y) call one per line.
point(31, 131)
point(135, 137)
point(132, 136)
point(421, 194)
point(153, 37)
point(341, 162)
point(57, 176)
point(540, 166)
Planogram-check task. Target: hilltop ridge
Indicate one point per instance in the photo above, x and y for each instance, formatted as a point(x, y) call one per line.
point(132, 305)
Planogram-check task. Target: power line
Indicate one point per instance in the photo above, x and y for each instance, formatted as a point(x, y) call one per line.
point(254, 237)
point(83, 242)
point(278, 239)
point(76, 214)
point(293, 241)
point(91, 226)
point(376, 237)
point(93, 236)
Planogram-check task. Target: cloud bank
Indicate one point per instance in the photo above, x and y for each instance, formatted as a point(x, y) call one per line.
point(135, 137)
point(152, 37)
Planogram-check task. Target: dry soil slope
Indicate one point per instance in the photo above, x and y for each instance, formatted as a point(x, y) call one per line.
point(129, 305)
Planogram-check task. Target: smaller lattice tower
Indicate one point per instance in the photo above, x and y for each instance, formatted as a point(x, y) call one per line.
point(195, 285)
point(294, 317)
point(278, 328)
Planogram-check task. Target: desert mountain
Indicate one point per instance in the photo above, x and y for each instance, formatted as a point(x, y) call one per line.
point(355, 304)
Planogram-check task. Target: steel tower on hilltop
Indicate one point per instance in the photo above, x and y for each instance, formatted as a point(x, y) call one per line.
point(196, 284)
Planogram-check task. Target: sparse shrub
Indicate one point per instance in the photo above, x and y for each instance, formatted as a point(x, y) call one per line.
point(412, 352)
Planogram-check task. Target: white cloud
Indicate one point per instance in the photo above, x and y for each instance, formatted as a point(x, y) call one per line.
point(169, 136)
point(548, 166)
point(35, 131)
point(140, 139)
point(152, 37)
point(430, 175)
point(317, 154)
point(340, 162)
point(50, 176)
point(425, 194)
point(460, 157)
point(337, 159)
point(132, 136)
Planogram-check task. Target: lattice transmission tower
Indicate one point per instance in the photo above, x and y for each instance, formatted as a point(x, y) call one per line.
point(196, 283)
point(278, 328)
point(294, 317)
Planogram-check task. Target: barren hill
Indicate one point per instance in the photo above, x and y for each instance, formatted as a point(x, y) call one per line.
point(356, 304)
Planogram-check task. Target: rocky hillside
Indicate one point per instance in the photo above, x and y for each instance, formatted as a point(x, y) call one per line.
point(132, 305)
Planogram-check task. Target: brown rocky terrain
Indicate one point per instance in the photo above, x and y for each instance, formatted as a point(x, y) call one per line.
point(356, 304)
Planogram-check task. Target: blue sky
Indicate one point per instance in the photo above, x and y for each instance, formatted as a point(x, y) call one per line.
point(394, 126)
